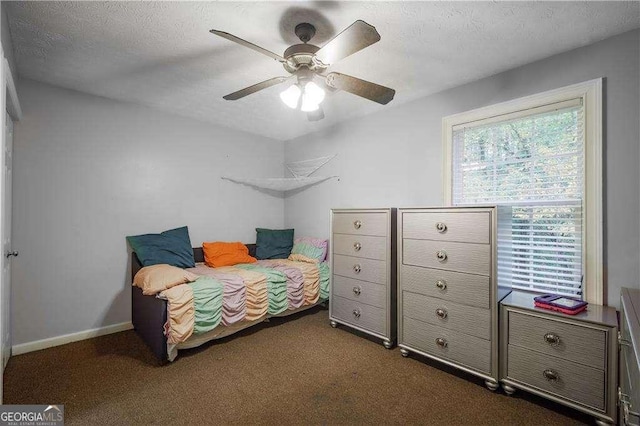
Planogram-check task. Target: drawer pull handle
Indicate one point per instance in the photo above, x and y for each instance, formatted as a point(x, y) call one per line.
point(441, 227)
point(552, 339)
point(357, 224)
point(550, 375)
point(622, 341)
point(357, 268)
point(357, 290)
point(441, 313)
point(356, 313)
point(441, 255)
point(623, 400)
point(441, 284)
point(441, 342)
point(357, 246)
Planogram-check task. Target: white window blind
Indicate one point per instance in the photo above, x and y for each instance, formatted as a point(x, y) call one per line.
point(532, 160)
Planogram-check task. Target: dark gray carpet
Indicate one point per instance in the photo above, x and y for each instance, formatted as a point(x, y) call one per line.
point(297, 370)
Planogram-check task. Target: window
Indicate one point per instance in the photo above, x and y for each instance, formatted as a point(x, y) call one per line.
point(540, 155)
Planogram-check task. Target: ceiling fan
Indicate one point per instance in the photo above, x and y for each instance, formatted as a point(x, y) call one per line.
point(308, 64)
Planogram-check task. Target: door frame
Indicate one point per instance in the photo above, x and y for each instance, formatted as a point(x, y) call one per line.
point(10, 104)
point(11, 92)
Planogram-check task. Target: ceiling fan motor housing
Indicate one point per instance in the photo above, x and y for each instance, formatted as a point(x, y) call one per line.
point(300, 55)
point(303, 54)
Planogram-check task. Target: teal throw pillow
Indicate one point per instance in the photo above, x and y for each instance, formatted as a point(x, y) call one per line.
point(273, 243)
point(172, 247)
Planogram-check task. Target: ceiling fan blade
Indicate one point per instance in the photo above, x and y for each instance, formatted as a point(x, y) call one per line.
point(256, 87)
point(374, 92)
point(245, 43)
point(354, 38)
point(316, 115)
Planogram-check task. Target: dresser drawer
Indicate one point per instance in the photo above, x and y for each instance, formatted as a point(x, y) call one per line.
point(552, 337)
point(359, 314)
point(467, 227)
point(460, 257)
point(629, 356)
point(630, 380)
point(361, 246)
point(461, 348)
point(374, 223)
point(467, 289)
point(360, 291)
point(467, 319)
point(630, 385)
point(576, 382)
point(374, 271)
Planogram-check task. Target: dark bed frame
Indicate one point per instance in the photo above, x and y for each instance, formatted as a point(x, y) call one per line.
point(149, 314)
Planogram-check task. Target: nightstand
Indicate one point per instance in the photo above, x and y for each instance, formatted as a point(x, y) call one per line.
point(570, 359)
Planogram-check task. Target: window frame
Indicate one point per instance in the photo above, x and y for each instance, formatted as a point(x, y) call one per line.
point(591, 94)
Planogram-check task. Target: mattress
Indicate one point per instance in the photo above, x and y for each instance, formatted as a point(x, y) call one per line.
point(225, 300)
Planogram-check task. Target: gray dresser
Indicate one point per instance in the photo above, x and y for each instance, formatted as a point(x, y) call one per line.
point(363, 281)
point(448, 285)
point(629, 392)
point(570, 359)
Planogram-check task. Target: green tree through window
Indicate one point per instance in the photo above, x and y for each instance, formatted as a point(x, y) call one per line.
point(535, 164)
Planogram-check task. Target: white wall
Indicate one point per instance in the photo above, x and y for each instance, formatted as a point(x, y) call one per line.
point(394, 158)
point(89, 171)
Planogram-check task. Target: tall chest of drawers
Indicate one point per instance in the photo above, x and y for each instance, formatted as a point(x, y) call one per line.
point(363, 281)
point(448, 289)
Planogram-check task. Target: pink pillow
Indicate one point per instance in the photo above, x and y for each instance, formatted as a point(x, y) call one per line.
point(307, 249)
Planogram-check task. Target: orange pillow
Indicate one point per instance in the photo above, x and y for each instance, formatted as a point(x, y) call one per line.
point(219, 254)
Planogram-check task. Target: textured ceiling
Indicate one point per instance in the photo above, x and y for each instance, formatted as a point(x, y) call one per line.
point(161, 54)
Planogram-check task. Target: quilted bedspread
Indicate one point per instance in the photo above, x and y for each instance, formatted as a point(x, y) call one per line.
point(245, 292)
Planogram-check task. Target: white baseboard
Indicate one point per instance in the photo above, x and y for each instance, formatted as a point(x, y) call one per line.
point(23, 348)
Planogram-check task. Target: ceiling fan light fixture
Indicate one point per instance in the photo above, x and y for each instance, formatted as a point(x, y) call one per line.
point(314, 92)
point(308, 105)
point(312, 95)
point(291, 96)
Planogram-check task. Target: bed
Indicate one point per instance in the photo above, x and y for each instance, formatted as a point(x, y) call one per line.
point(288, 287)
